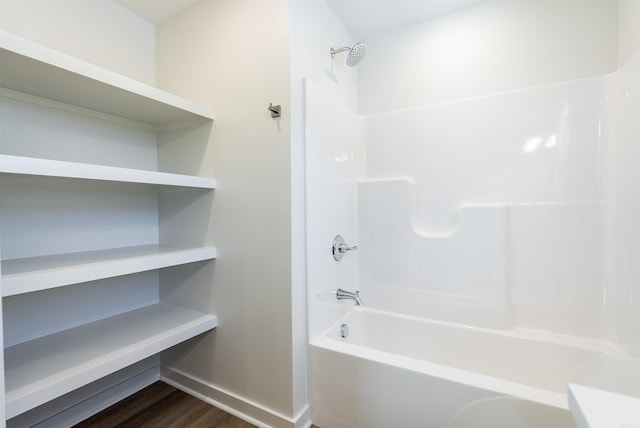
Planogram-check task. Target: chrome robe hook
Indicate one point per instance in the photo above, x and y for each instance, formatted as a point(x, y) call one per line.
point(276, 111)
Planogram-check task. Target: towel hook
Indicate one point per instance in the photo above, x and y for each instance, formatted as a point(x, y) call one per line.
point(275, 110)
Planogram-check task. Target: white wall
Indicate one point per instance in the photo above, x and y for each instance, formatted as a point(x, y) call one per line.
point(629, 35)
point(234, 56)
point(315, 29)
point(99, 31)
point(497, 45)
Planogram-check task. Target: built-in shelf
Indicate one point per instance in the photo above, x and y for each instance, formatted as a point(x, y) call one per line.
point(33, 69)
point(40, 273)
point(36, 167)
point(74, 108)
point(42, 369)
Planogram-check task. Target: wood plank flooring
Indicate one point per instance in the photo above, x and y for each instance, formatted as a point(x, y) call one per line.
point(162, 406)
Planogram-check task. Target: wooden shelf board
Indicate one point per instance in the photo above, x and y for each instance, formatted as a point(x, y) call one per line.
point(34, 69)
point(43, 369)
point(36, 167)
point(40, 273)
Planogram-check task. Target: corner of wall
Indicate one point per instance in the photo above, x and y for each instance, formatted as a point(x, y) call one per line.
point(629, 31)
point(86, 30)
point(234, 56)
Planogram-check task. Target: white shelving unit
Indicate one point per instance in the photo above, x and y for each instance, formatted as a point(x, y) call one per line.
point(45, 272)
point(19, 165)
point(101, 226)
point(32, 69)
point(84, 354)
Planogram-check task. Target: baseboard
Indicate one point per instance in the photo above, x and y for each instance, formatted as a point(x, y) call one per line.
point(85, 402)
point(234, 404)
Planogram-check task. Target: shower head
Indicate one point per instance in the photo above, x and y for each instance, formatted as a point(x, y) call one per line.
point(356, 53)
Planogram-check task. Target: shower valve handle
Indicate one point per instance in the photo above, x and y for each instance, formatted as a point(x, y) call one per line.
point(344, 248)
point(340, 248)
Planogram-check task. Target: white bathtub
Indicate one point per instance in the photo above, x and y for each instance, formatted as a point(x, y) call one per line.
point(396, 371)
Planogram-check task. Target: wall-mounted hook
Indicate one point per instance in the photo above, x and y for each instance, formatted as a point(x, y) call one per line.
point(275, 110)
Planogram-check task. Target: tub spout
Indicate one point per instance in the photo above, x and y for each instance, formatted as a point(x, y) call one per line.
point(349, 295)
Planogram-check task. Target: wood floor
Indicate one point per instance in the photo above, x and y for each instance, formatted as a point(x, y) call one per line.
point(163, 406)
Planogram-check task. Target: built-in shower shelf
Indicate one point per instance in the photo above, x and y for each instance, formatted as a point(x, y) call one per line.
point(36, 70)
point(39, 273)
point(42, 369)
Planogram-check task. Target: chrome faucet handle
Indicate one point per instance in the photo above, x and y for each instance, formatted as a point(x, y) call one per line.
point(340, 248)
point(344, 248)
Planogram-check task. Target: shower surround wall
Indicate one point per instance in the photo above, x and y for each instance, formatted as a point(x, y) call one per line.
point(494, 186)
point(491, 111)
point(334, 160)
point(330, 168)
point(500, 223)
point(522, 248)
point(505, 231)
point(481, 197)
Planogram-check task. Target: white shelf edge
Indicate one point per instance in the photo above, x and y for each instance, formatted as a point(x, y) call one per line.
point(19, 165)
point(59, 70)
point(46, 368)
point(75, 110)
point(27, 275)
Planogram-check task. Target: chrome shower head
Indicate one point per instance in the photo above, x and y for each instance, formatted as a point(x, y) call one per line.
point(356, 53)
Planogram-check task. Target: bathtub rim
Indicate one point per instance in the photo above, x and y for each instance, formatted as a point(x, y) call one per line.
point(467, 377)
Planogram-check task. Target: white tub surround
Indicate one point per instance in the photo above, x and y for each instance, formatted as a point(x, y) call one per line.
point(507, 231)
point(506, 212)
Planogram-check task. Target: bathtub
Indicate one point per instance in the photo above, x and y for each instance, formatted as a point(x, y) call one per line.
point(398, 371)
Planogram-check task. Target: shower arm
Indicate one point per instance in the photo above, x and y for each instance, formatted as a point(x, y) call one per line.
point(337, 51)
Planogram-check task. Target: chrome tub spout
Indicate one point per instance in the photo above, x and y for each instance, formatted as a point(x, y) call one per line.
point(349, 295)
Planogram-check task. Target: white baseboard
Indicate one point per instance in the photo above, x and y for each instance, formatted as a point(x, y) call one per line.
point(84, 402)
point(243, 408)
